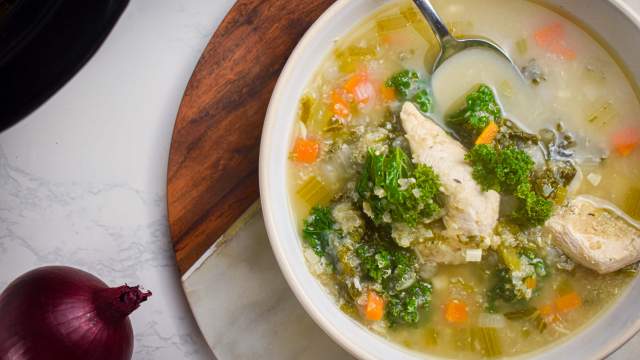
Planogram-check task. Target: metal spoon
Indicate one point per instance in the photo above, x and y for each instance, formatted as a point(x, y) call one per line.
point(449, 45)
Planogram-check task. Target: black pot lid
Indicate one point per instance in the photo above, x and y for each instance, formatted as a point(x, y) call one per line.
point(43, 43)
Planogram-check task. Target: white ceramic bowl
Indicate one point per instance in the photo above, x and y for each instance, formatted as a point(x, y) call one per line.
point(616, 24)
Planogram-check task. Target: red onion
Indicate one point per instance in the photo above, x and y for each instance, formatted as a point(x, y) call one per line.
point(58, 312)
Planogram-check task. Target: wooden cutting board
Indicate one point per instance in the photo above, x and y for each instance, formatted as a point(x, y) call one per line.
point(213, 163)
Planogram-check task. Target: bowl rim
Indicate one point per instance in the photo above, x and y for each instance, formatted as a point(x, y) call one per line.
point(269, 214)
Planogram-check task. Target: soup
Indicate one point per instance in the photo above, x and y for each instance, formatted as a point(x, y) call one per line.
point(470, 213)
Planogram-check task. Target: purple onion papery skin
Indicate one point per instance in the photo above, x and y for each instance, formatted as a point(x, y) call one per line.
point(58, 312)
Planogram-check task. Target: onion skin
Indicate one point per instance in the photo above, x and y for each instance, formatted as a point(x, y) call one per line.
point(58, 312)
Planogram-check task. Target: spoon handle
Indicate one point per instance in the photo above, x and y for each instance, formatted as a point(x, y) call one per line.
point(437, 25)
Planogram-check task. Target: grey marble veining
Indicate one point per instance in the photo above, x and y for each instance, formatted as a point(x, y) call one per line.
point(83, 178)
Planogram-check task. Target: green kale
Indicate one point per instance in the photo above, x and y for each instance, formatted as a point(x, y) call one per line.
point(533, 209)
point(409, 86)
point(502, 289)
point(392, 267)
point(403, 274)
point(317, 230)
point(481, 107)
point(511, 289)
point(397, 191)
point(405, 306)
point(499, 169)
point(375, 263)
point(555, 176)
point(509, 170)
point(534, 260)
point(423, 100)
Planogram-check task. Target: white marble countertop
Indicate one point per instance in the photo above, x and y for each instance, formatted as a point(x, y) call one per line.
point(82, 179)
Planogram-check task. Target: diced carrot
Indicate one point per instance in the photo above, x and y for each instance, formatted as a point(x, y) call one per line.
point(550, 34)
point(625, 141)
point(359, 86)
point(552, 38)
point(488, 134)
point(455, 311)
point(530, 282)
point(375, 307)
point(306, 150)
point(339, 105)
point(388, 94)
point(568, 302)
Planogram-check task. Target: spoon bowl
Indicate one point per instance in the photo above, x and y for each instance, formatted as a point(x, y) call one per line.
point(450, 45)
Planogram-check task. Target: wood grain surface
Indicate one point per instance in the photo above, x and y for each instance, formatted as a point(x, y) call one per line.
point(213, 163)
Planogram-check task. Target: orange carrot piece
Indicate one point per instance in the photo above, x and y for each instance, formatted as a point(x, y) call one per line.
point(339, 105)
point(625, 141)
point(375, 307)
point(488, 134)
point(568, 302)
point(552, 38)
point(548, 35)
point(388, 94)
point(306, 150)
point(530, 282)
point(359, 86)
point(455, 312)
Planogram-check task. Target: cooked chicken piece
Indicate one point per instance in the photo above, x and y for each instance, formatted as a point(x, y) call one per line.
point(596, 234)
point(469, 210)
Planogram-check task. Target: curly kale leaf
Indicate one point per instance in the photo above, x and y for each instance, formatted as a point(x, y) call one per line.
point(481, 107)
point(375, 263)
point(393, 190)
point(499, 169)
point(509, 170)
point(405, 306)
point(533, 209)
point(317, 229)
point(409, 86)
point(391, 267)
point(423, 100)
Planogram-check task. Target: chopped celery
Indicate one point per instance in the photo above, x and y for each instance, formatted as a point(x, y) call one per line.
point(522, 46)
point(306, 104)
point(632, 203)
point(486, 341)
point(319, 117)
point(350, 57)
point(418, 24)
point(314, 192)
point(391, 23)
point(510, 257)
point(525, 313)
point(349, 309)
point(541, 323)
point(603, 113)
